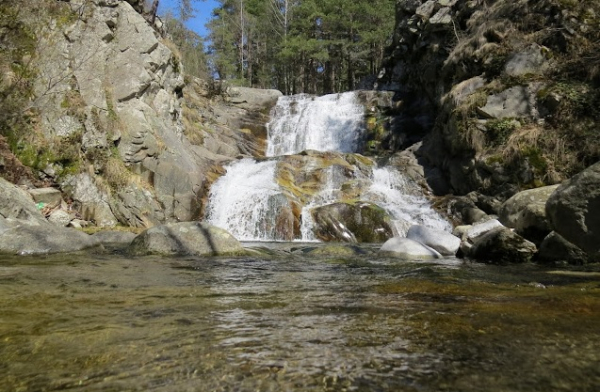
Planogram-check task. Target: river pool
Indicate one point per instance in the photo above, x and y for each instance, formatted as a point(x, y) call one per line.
point(286, 321)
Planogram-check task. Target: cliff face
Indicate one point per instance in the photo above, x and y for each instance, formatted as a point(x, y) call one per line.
point(101, 112)
point(506, 91)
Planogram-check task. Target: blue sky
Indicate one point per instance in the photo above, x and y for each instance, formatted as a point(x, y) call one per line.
point(203, 11)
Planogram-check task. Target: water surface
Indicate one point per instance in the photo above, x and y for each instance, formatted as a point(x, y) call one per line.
point(288, 322)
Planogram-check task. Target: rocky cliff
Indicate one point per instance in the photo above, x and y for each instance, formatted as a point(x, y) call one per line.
point(101, 97)
point(505, 91)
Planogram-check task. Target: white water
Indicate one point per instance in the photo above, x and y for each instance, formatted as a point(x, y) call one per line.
point(329, 123)
point(246, 200)
point(404, 201)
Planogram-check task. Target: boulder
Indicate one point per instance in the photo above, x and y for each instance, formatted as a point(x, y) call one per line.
point(574, 211)
point(25, 238)
point(253, 99)
point(186, 238)
point(60, 218)
point(526, 213)
point(502, 246)
point(18, 204)
point(445, 243)
point(352, 222)
point(555, 249)
point(406, 248)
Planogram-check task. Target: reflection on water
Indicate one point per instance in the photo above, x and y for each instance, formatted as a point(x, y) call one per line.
point(106, 322)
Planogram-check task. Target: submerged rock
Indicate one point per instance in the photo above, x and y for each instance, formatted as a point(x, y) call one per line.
point(408, 249)
point(187, 238)
point(443, 242)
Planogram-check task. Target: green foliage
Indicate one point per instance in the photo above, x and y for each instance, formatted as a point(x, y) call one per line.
point(313, 46)
point(499, 130)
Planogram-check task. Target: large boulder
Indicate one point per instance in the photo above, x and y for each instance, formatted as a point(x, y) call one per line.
point(445, 243)
point(187, 238)
point(555, 249)
point(405, 248)
point(25, 238)
point(352, 222)
point(574, 211)
point(526, 213)
point(18, 204)
point(502, 246)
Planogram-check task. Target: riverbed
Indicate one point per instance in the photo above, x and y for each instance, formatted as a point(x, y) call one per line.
point(288, 321)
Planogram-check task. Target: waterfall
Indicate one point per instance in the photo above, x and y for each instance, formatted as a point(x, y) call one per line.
point(245, 200)
point(329, 123)
point(248, 202)
point(404, 201)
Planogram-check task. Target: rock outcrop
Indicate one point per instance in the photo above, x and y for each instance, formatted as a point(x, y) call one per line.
point(113, 133)
point(501, 89)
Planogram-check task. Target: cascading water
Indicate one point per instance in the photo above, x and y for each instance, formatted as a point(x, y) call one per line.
point(328, 123)
point(403, 200)
point(248, 202)
point(245, 200)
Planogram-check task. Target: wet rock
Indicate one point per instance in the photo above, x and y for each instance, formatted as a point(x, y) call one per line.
point(406, 248)
point(555, 249)
point(352, 222)
point(574, 211)
point(502, 246)
point(526, 213)
point(445, 243)
point(187, 238)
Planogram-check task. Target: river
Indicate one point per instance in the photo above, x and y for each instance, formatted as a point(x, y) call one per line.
point(286, 320)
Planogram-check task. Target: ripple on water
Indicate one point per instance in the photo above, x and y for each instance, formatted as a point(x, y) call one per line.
point(98, 323)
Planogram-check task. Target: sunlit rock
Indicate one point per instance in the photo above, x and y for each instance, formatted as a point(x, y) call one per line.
point(406, 248)
point(187, 238)
point(443, 242)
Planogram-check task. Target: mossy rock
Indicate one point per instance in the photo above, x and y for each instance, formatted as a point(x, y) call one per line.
point(352, 222)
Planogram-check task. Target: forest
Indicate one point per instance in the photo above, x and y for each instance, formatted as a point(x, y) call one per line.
point(296, 46)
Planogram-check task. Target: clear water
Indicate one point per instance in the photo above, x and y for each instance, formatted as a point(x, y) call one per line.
point(294, 322)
